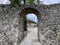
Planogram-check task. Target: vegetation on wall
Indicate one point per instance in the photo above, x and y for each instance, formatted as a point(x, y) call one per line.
point(18, 2)
point(31, 1)
point(15, 2)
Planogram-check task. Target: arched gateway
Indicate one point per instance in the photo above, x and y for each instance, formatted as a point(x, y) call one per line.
point(26, 10)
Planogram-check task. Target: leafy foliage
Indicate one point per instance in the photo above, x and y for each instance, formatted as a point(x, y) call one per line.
point(31, 1)
point(14, 2)
point(17, 2)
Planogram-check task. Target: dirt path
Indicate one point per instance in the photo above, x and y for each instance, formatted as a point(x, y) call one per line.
point(31, 38)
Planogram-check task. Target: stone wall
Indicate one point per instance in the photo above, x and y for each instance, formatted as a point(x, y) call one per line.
point(50, 25)
point(11, 24)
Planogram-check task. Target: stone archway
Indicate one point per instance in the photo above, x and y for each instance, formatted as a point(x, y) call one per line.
point(23, 19)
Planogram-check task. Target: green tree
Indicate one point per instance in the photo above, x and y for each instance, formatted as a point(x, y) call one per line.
point(18, 2)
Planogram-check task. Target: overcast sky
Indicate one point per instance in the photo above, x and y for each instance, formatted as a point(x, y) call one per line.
point(47, 2)
point(4, 2)
point(32, 16)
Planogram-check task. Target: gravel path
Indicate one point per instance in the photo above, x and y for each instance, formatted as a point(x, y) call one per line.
point(31, 38)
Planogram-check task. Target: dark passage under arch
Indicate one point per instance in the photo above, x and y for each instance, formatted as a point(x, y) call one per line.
point(23, 14)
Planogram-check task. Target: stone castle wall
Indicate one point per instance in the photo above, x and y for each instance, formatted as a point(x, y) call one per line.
point(11, 24)
point(50, 18)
